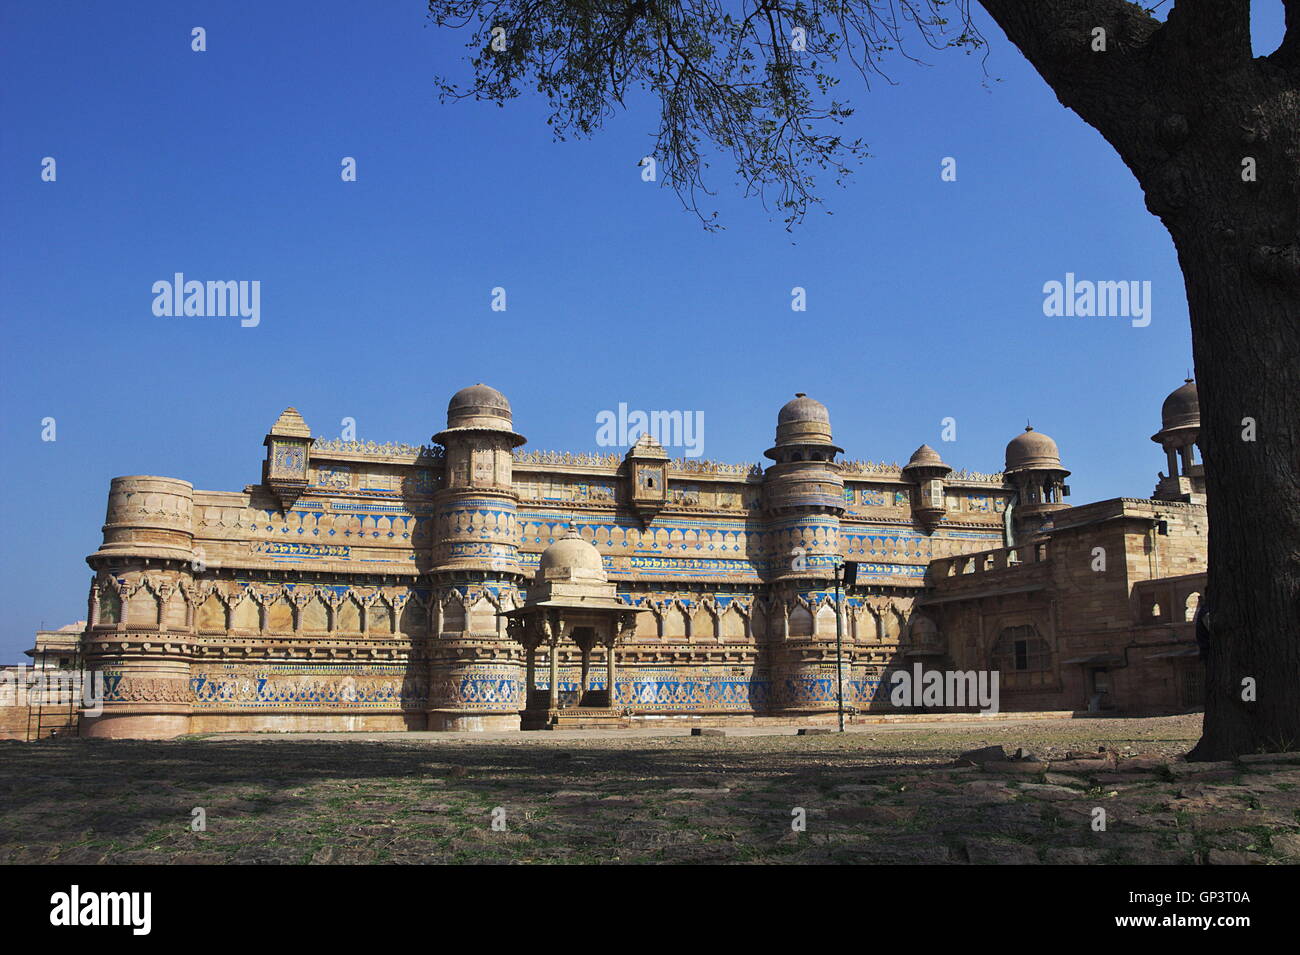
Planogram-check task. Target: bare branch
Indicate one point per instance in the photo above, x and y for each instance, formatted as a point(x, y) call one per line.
point(754, 79)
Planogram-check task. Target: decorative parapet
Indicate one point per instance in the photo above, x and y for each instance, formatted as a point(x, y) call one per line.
point(569, 458)
point(596, 459)
point(881, 468)
point(390, 449)
point(701, 466)
point(613, 460)
point(870, 467)
point(976, 477)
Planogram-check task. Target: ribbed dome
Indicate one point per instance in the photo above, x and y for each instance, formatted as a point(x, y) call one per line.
point(477, 402)
point(803, 408)
point(1033, 449)
point(803, 420)
point(925, 457)
point(1182, 409)
point(478, 408)
point(571, 557)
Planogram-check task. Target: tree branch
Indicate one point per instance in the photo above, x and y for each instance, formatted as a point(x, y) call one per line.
point(1059, 39)
point(1215, 33)
point(1288, 53)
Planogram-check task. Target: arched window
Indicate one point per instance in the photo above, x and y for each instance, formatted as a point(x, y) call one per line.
point(674, 623)
point(212, 614)
point(415, 618)
point(347, 618)
point(1021, 650)
point(315, 616)
point(801, 622)
point(279, 616)
point(379, 618)
point(110, 607)
point(732, 625)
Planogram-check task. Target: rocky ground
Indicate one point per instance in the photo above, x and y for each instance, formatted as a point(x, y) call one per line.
point(884, 796)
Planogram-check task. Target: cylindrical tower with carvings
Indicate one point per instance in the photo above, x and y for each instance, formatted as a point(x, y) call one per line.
point(476, 680)
point(803, 500)
point(139, 636)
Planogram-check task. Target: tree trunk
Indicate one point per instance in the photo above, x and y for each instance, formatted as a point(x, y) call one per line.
point(1246, 339)
point(1189, 109)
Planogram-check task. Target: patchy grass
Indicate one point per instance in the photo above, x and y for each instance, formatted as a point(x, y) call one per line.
point(888, 795)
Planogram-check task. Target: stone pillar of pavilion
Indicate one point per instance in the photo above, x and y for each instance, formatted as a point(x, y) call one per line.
point(571, 608)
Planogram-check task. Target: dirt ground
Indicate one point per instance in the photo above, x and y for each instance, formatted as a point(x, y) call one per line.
point(888, 794)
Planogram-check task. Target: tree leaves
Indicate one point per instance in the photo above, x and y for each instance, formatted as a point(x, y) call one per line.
point(753, 79)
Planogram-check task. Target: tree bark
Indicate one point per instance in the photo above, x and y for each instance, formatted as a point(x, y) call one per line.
point(1246, 339)
point(1188, 109)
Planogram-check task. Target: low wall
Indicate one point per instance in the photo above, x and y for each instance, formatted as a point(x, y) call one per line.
point(24, 715)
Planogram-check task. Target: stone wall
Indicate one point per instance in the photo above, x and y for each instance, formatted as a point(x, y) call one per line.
point(1110, 591)
point(24, 712)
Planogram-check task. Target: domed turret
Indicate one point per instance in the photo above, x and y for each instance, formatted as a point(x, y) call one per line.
point(571, 573)
point(288, 456)
point(1033, 468)
point(927, 471)
point(925, 458)
point(1182, 409)
point(1180, 419)
point(1032, 450)
point(571, 558)
point(1179, 413)
point(475, 524)
point(479, 408)
point(803, 427)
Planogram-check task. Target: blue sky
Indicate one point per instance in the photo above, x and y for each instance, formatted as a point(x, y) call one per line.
point(924, 297)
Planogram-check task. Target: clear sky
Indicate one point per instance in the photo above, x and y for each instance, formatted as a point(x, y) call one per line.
point(925, 297)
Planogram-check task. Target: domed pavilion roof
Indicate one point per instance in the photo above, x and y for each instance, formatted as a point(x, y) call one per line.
point(1032, 450)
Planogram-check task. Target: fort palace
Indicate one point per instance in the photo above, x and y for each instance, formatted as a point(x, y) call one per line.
point(472, 585)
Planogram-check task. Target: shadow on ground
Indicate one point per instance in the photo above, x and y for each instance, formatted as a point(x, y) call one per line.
point(706, 799)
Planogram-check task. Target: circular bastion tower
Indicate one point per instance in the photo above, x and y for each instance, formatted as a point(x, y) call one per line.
point(140, 629)
point(803, 496)
point(476, 672)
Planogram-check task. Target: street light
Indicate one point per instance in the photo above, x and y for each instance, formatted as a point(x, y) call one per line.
point(850, 575)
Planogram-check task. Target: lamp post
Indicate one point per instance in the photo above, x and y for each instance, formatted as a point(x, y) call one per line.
point(850, 572)
point(839, 650)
